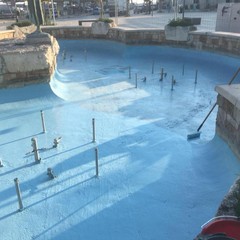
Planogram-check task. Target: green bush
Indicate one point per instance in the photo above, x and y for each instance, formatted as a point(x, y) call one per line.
point(24, 23)
point(106, 20)
point(179, 22)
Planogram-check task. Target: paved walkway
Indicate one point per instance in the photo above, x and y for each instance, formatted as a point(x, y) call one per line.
point(157, 20)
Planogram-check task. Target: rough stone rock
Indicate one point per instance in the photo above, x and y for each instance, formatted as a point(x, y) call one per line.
point(21, 32)
point(230, 205)
point(28, 61)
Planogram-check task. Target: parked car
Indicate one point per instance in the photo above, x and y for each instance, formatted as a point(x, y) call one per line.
point(96, 11)
point(138, 9)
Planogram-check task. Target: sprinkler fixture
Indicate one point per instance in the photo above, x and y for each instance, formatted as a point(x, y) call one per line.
point(153, 64)
point(93, 130)
point(162, 74)
point(64, 55)
point(43, 121)
point(50, 173)
point(85, 54)
point(196, 76)
point(35, 150)
point(56, 141)
point(136, 79)
point(18, 194)
point(173, 80)
point(96, 161)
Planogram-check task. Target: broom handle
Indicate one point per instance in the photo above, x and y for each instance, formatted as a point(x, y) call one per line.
point(234, 76)
point(206, 117)
point(229, 83)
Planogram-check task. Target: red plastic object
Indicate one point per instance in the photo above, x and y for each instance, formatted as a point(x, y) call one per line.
point(227, 225)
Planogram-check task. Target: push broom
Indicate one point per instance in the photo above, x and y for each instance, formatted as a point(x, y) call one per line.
point(198, 133)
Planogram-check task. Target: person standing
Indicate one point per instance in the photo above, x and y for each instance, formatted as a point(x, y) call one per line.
point(17, 15)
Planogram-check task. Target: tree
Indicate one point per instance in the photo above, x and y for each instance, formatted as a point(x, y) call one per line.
point(35, 12)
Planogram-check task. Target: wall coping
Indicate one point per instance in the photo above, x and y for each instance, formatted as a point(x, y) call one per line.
point(222, 34)
point(217, 34)
point(7, 31)
point(230, 92)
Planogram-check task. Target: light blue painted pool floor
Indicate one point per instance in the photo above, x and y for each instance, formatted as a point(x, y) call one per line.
point(153, 183)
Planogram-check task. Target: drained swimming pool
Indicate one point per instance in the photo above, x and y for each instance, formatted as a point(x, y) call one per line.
point(153, 183)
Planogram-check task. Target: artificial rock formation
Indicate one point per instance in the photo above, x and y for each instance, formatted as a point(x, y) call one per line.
point(29, 60)
point(230, 205)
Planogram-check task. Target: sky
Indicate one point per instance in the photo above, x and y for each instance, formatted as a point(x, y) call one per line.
point(151, 179)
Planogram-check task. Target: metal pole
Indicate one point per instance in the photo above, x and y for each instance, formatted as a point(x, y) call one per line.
point(94, 132)
point(53, 12)
point(183, 69)
point(85, 55)
point(172, 83)
point(35, 150)
point(183, 10)
point(196, 76)
point(96, 161)
point(161, 75)
point(153, 63)
point(18, 194)
point(136, 80)
point(129, 72)
point(43, 121)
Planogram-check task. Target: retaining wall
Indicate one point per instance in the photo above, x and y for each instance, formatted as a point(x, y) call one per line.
point(228, 116)
point(217, 41)
point(7, 34)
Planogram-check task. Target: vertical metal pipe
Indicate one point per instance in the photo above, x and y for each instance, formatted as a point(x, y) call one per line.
point(18, 194)
point(183, 69)
point(96, 161)
point(161, 74)
point(129, 72)
point(172, 83)
point(35, 150)
point(136, 80)
point(43, 121)
point(85, 54)
point(196, 76)
point(153, 64)
point(93, 130)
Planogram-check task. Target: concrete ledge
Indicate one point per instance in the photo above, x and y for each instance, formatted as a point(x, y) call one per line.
point(211, 41)
point(228, 116)
point(230, 92)
point(7, 34)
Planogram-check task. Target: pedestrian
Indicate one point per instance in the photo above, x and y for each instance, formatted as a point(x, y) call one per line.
point(17, 14)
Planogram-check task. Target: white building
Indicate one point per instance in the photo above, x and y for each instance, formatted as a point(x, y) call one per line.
point(197, 4)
